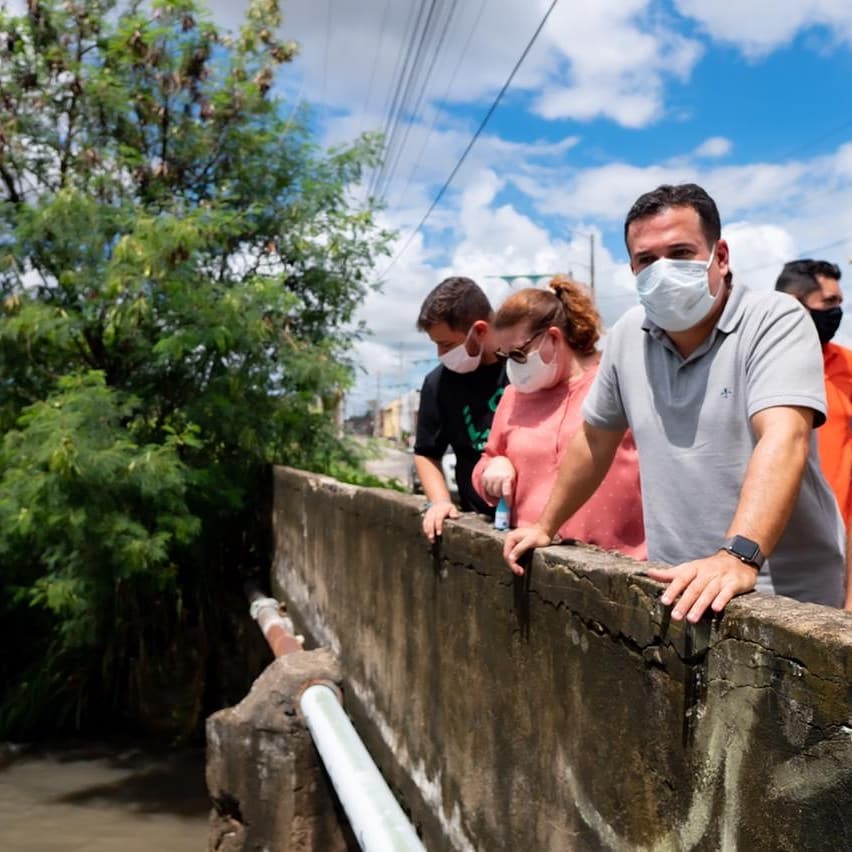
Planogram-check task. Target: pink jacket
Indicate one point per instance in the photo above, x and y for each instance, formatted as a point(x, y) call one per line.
point(532, 431)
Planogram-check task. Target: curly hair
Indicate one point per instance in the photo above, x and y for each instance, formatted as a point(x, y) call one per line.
point(567, 305)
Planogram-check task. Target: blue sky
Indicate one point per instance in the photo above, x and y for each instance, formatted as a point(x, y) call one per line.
point(751, 99)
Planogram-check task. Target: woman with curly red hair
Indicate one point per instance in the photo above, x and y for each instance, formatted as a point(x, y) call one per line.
point(548, 338)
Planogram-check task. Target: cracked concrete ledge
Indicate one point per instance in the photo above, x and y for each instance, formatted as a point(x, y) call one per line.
point(564, 710)
point(266, 782)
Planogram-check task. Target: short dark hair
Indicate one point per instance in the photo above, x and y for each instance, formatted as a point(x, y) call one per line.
point(679, 195)
point(457, 301)
point(799, 277)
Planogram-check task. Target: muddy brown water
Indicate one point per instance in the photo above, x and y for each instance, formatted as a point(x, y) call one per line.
point(102, 798)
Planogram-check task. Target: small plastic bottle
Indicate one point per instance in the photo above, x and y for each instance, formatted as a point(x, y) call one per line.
point(501, 515)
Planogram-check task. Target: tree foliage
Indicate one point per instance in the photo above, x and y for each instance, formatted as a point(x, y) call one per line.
point(179, 269)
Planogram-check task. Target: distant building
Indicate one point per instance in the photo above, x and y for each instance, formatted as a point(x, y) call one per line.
point(398, 419)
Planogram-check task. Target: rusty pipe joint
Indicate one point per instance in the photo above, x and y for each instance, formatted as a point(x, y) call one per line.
point(277, 627)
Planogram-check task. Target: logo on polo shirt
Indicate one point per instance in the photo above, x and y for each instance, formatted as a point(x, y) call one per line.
point(727, 393)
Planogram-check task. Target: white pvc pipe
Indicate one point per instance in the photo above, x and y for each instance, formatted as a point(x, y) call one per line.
point(377, 820)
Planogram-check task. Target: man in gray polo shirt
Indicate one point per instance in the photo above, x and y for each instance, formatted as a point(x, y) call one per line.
point(721, 387)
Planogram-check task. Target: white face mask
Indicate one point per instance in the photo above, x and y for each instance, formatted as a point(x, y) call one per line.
point(534, 375)
point(458, 360)
point(676, 293)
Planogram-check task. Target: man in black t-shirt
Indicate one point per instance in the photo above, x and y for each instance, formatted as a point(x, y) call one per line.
point(458, 398)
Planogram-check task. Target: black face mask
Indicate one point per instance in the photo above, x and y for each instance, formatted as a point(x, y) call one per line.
point(827, 322)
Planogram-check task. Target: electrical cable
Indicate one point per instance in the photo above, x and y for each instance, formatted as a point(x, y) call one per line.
point(473, 140)
point(415, 110)
point(405, 41)
point(797, 149)
point(400, 74)
point(807, 253)
point(377, 55)
point(401, 102)
point(443, 101)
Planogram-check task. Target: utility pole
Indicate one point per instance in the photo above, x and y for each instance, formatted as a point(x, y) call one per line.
point(377, 409)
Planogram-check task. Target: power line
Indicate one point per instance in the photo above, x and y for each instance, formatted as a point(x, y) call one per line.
point(377, 55)
point(443, 101)
point(403, 53)
point(475, 136)
point(395, 93)
point(826, 134)
point(806, 253)
point(419, 100)
point(402, 104)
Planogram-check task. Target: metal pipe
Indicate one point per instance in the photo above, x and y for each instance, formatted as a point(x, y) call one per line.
point(277, 627)
point(377, 820)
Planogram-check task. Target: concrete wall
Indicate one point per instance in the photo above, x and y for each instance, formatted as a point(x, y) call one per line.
point(266, 782)
point(564, 710)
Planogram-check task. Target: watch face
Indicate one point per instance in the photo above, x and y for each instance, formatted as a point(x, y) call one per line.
point(743, 547)
point(746, 549)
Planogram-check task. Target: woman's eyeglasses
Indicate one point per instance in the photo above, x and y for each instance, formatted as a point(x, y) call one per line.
point(519, 353)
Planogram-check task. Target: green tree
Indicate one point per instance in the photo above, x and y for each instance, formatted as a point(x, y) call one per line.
point(179, 268)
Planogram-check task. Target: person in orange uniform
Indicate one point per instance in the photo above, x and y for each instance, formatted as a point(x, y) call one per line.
point(816, 284)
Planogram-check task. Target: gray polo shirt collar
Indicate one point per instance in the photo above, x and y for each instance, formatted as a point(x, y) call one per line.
point(732, 314)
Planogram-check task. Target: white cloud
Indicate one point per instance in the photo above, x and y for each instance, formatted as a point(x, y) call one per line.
point(603, 193)
point(758, 251)
point(611, 58)
point(771, 213)
point(490, 239)
point(715, 146)
point(353, 52)
point(631, 106)
point(606, 192)
point(618, 55)
point(759, 26)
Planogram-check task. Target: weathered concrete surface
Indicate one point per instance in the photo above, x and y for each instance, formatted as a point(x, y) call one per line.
point(266, 780)
point(563, 710)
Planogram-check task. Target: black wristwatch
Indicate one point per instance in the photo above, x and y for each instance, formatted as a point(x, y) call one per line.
point(745, 550)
